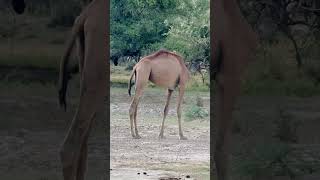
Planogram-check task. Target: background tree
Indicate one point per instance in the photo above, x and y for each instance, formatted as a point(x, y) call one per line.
point(284, 16)
point(141, 27)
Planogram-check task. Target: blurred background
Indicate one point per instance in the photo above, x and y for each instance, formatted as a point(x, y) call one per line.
point(32, 125)
point(276, 119)
point(277, 116)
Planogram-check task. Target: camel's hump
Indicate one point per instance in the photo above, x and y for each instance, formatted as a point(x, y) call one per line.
point(162, 52)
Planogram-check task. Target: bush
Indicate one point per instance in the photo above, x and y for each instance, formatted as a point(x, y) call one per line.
point(196, 112)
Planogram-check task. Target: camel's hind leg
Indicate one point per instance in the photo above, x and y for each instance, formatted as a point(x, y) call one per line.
point(141, 81)
point(165, 112)
point(180, 98)
point(93, 92)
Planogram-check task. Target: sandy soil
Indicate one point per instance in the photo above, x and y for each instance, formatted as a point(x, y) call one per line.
point(149, 157)
point(32, 128)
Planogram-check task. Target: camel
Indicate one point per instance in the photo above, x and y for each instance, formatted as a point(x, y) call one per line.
point(233, 43)
point(90, 32)
point(165, 69)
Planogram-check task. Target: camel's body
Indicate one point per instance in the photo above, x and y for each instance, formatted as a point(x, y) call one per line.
point(233, 43)
point(164, 69)
point(90, 31)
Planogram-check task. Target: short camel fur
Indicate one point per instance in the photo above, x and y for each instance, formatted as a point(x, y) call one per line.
point(233, 44)
point(165, 69)
point(90, 31)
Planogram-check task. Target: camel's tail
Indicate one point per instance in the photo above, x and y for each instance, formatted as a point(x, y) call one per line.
point(64, 75)
point(130, 84)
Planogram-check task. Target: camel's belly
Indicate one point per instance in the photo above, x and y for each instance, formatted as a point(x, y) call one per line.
point(165, 72)
point(164, 81)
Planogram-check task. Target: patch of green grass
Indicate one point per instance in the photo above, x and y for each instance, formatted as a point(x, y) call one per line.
point(195, 112)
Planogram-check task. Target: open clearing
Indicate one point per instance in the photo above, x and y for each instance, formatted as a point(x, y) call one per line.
point(170, 157)
point(32, 128)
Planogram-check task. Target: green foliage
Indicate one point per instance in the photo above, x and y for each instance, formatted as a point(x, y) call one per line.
point(189, 32)
point(195, 112)
point(139, 28)
point(136, 24)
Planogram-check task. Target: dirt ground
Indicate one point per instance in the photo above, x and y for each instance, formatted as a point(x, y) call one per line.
point(32, 128)
point(149, 157)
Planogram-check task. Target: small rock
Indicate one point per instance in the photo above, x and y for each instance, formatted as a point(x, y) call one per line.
point(145, 173)
point(187, 176)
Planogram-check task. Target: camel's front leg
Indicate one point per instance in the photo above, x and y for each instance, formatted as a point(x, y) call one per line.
point(165, 112)
point(226, 92)
point(74, 148)
point(180, 98)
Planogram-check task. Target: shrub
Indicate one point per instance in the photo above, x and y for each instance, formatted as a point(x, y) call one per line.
point(196, 112)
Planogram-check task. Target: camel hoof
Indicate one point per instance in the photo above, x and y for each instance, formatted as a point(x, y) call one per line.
point(183, 138)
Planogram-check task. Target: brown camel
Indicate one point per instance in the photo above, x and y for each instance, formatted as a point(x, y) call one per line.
point(90, 31)
point(165, 69)
point(233, 44)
